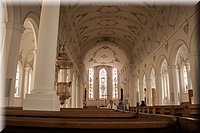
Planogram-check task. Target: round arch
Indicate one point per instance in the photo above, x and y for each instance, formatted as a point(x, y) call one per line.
point(194, 40)
point(174, 51)
point(149, 69)
point(159, 63)
point(141, 77)
point(34, 20)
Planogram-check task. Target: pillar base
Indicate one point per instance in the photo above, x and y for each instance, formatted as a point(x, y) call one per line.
point(41, 102)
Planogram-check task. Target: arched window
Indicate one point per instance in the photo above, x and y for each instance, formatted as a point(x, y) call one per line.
point(91, 76)
point(115, 83)
point(185, 79)
point(102, 84)
point(17, 81)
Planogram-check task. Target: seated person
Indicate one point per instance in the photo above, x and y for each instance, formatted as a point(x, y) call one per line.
point(142, 104)
point(137, 104)
point(120, 106)
point(112, 105)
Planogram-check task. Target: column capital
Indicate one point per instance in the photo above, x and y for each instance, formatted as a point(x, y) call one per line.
point(172, 67)
point(158, 75)
point(15, 26)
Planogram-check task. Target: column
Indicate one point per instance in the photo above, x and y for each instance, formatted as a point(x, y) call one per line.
point(77, 92)
point(173, 84)
point(141, 91)
point(10, 59)
point(43, 96)
point(74, 90)
point(33, 73)
point(188, 75)
point(195, 75)
point(159, 96)
point(149, 92)
point(131, 90)
point(26, 81)
point(134, 95)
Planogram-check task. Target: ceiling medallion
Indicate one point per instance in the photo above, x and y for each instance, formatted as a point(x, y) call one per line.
point(106, 32)
point(104, 56)
point(108, 10)
point(107, 22)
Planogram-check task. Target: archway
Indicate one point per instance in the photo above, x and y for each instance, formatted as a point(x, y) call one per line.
point(165, 82)
point(183, 74)
point(27, 57)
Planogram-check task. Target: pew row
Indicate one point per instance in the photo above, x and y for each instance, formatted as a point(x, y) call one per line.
point(62, 121)
point(192, 110)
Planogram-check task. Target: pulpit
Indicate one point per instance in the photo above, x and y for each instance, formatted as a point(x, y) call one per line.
point(63, 81)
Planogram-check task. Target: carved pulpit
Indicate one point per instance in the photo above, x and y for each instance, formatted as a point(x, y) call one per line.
point(63, 82)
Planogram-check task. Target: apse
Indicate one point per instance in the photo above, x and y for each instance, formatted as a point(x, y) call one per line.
point(105, 54)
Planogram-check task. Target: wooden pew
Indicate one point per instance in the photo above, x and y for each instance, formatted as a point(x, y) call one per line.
point(194, 110)
point(188, 125)
point(183, 124)
point(22, 121)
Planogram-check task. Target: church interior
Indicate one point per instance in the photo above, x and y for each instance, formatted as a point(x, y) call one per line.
point(61, 64)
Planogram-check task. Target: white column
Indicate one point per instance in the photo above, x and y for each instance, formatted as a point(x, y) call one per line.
point(26, 81)
point(141, 91)
point(149, 92)
point(131, 90)
point(33, 72)
point(181, 81)
point(134, 95)
point(159, 96)
point(173, 84)
point(74, 91)
point(77, 92)
point(188, 75)
point(43, 96)
point(195, 75)
point(10, 59)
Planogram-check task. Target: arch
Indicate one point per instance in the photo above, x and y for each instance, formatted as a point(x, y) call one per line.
point(142, 74)
point(194, 40)
point(94, 43)
point(14, 14)
point(149, 69)
point(174, 51)
point(159, 63)
point(34, 22)
point(9, 13)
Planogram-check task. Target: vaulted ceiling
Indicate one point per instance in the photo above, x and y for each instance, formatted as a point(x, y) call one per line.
point(119, 25)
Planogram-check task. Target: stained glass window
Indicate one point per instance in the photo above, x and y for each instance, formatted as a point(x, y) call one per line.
point(115, 83)
point(102, 84)
point(91, 75)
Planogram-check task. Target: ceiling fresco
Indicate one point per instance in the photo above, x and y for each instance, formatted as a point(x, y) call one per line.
point(137, 30)
point(127, 23)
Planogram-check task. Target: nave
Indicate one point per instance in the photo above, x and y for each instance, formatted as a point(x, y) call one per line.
point(62, 64)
